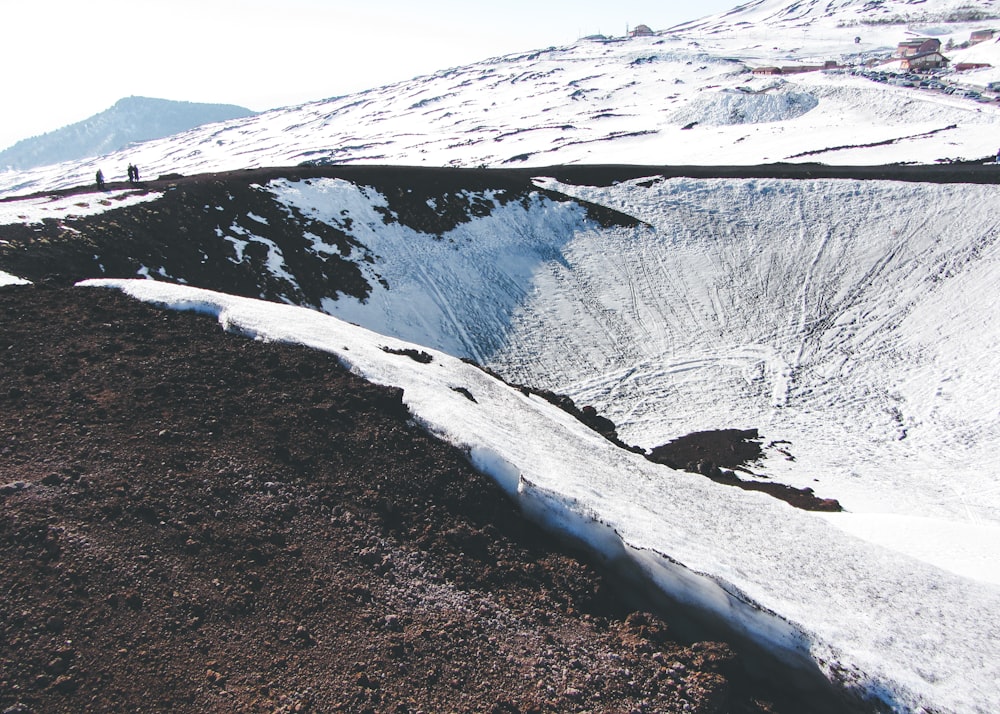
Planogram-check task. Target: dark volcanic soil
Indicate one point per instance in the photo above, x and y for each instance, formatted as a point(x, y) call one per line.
point(714, 453)
point(191, 521)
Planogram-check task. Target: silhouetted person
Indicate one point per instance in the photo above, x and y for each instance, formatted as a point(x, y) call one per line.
point(100, 179)
point(131, 173)
point(135, 172)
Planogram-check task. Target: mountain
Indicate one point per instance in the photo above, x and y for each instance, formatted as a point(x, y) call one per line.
point(762, 389)
point(684, 97)
point(814, 14)
point(130, 120)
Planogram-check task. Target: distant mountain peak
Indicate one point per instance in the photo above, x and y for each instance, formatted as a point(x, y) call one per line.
point(130, 119)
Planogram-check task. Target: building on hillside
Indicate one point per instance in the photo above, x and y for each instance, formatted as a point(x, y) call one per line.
point(641, 31)
point(796, 69)
point(924, 61)
point(919, 46)
point(965, 66)
point(981, 36)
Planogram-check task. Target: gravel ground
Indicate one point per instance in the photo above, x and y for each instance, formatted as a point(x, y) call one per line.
point(195, 522)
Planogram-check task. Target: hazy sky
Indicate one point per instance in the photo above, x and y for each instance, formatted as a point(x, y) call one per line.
point(65, 60)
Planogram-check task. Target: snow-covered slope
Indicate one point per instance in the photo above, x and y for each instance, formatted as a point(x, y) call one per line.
point(844, 319)
point(685, 97)
point(846, 13)
point(892, 629)
point(852, 32)
point(850, 321)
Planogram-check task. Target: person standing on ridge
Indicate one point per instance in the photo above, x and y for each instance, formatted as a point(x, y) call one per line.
point(100, 179)
point(131, 173)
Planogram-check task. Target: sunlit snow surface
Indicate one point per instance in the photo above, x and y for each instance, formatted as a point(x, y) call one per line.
point(455, 292)
point(682, 98)
point(36, 210)
point(851, 319)
point(848, 321)
point(911, 634)
point(8, 279)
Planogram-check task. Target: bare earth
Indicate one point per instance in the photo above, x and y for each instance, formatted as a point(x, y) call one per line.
point(191, 521)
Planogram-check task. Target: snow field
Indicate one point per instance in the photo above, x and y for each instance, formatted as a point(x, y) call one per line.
point(453, 292)
point(595, 102)
point(845, 318)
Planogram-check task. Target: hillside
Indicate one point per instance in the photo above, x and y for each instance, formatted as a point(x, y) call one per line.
point(825, 317)
point(858, 14)
point(130, 120)
point(684, 97)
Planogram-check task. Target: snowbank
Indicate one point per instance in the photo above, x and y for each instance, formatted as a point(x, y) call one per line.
point(8, 279)
point(735, 107)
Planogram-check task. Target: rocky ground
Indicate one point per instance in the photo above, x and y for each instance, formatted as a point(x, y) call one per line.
point(191, 521)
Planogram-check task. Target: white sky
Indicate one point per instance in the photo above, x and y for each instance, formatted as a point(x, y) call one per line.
point(65, 60)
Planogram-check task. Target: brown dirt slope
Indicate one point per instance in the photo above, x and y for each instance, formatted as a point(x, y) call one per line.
point(191, 521)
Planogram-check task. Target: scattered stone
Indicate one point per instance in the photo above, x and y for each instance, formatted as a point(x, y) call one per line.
point(465, 393)
point(415, 355)
point(13, 487)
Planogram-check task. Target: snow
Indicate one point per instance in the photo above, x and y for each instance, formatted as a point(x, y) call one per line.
point(982, 53)
point(840, 318)
point(740, 107)
point(275, 258)
point(967, 548)
point(8, 279)
point(844, 317)
point(36, 210)
point(430, 277)
point(616, 101)
point(888, 625)
point(825, 18)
